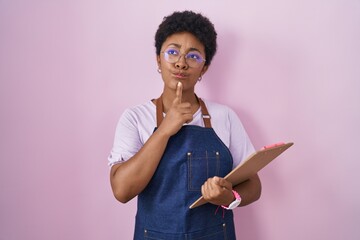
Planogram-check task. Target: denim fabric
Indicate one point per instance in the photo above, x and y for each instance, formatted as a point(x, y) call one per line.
point(192, 156)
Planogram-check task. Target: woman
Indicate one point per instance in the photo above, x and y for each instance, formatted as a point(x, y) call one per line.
point(171, 150)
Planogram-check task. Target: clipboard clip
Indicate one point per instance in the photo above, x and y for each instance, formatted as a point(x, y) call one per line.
point(273, 145)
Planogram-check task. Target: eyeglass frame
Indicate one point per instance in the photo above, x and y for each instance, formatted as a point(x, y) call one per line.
point(166, 57)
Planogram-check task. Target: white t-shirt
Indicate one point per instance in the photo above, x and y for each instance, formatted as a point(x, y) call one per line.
point(137, 124)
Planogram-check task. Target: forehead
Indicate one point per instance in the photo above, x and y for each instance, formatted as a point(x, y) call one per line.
point(185, 41)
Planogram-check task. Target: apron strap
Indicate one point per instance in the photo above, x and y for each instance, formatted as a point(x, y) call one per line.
point(159, 111)
point(204, 112)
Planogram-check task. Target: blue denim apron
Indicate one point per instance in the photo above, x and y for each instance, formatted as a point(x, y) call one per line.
point(192, 155)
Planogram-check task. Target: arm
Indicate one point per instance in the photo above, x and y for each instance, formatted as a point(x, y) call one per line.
point(129, 178)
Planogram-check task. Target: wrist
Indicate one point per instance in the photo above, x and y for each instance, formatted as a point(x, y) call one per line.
point(163, 132)
point(230, 198)
point(236, 201)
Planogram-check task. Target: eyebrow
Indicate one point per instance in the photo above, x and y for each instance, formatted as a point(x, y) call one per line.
point(179, 46)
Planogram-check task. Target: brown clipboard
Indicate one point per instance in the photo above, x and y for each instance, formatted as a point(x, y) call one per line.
point(253, 164)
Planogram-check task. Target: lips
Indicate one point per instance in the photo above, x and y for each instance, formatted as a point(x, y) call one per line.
point(180, 75)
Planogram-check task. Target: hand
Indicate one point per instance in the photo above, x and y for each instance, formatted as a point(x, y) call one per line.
point(217, 191)
point(178, 114)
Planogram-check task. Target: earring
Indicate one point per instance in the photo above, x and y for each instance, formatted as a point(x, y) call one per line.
point(159, 70)
point(199, 79)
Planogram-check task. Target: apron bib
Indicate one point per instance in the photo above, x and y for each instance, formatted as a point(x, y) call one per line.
point(192, 155)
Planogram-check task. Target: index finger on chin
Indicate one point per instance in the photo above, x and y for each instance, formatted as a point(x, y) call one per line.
point(179, 92)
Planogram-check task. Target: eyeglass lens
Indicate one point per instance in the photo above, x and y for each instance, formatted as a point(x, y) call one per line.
point(193, 58)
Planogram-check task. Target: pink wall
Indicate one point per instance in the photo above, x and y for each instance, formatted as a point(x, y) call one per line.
point(69, 68)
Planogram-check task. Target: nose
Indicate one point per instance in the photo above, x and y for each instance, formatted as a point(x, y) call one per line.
point(181, 63)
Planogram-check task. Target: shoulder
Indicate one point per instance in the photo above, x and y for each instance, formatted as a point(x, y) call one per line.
point(143, 108)
point(218, 110)
point(223, 117)
point(139, 112)
point(137, 122)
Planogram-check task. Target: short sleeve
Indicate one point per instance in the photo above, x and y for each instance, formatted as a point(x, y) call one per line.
point(240, 144)
point(127, 140)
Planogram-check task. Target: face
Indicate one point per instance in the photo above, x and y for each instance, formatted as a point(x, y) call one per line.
point(182, 59)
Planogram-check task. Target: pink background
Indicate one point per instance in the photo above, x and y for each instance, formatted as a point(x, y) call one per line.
point(68, 69)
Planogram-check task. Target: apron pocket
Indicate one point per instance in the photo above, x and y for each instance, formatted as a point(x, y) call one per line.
point(154, 235)
point(201, 166)
point(214, 233)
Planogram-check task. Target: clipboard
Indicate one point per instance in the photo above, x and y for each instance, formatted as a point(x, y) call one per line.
point(253, 164)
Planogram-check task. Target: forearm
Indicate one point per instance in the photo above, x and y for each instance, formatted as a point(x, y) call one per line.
point(250, 190)
point(128, 179)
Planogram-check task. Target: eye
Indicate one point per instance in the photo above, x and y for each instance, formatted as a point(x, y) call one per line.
point(172, 52)
point(194, 56)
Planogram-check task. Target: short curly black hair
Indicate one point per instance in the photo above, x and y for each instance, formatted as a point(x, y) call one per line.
point(188, 21)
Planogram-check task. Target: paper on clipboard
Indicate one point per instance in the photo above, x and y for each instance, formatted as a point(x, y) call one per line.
point(254, 163)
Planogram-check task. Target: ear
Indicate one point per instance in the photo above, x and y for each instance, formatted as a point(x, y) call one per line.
point(204, 69)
